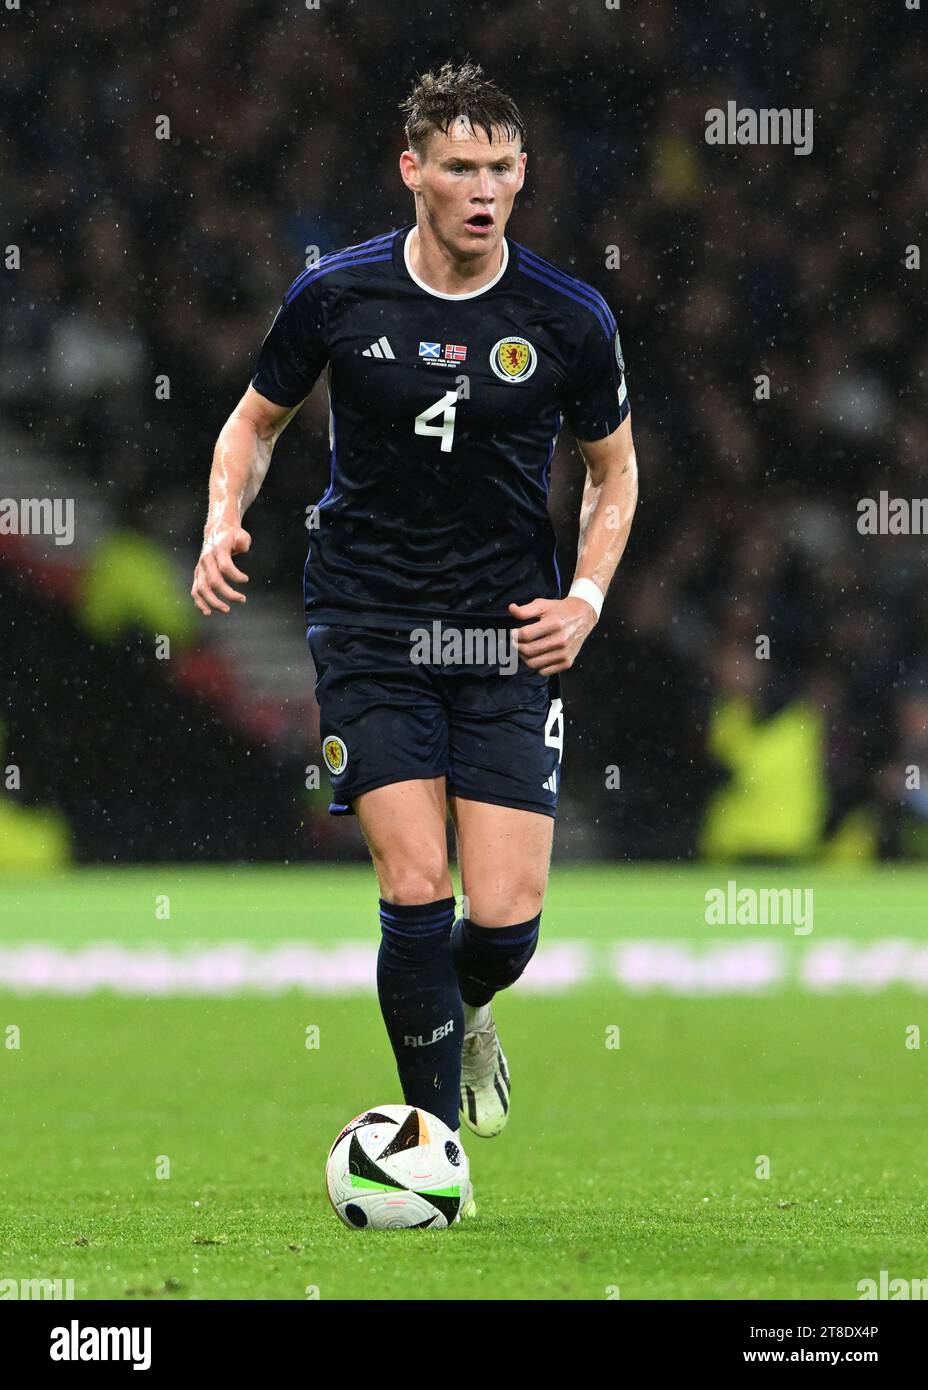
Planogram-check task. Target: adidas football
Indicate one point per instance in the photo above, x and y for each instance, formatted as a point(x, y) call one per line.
point(396, 1166)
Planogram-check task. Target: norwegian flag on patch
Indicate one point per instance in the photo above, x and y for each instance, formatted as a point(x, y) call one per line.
point(455, 352)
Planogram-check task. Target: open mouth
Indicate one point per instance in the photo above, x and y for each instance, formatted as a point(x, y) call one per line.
point(480, 222)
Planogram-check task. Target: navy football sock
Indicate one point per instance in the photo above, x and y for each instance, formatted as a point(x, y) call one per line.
point(488, 959)
point(421, 1004)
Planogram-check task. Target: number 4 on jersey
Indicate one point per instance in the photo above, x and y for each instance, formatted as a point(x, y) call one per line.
point(445, 407)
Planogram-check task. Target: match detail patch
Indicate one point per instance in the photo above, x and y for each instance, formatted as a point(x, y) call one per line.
point(432, 356)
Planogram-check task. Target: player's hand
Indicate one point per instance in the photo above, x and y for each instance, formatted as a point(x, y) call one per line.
point(552, 641)
point(216, 567)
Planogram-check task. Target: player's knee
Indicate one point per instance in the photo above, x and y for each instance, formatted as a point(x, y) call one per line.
point(507, 906)
point(411, 884)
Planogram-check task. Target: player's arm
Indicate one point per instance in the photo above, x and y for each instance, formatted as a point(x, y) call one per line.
point(240, 462)
point(550, 643)
point(610, 495)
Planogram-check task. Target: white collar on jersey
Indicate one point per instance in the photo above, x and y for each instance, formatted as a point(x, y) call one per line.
point(439, 294)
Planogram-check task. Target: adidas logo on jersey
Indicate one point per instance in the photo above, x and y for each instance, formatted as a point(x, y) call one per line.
point(550, 783)
point(379, 349)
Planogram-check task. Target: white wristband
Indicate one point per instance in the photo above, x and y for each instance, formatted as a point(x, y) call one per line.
point(586, 589)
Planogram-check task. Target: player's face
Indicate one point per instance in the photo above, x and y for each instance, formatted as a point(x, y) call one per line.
point(467, 185)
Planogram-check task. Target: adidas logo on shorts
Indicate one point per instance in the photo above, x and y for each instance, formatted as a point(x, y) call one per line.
point(550, 783)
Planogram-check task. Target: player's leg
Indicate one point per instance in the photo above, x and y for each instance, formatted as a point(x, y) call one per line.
point(385, 742)
point(506, 744)
point(504, 855)
point(404, 825)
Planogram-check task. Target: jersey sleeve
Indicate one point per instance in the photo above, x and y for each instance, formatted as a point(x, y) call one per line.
point(295, 349)
point(596, 396)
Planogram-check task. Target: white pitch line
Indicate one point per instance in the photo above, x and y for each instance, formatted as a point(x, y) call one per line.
point(694, 970)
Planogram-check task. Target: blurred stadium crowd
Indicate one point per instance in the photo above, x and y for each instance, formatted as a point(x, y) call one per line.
point(144, 256)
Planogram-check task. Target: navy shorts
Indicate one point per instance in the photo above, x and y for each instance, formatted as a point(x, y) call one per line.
point(382, 718)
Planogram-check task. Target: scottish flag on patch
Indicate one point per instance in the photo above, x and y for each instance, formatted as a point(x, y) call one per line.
point(429, 349)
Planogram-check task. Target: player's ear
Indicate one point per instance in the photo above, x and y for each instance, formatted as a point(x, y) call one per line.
point(409, 170)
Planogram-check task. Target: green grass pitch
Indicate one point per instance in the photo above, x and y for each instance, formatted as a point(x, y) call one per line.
point(626, 1171)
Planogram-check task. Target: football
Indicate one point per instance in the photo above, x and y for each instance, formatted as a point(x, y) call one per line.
point(396, 1166)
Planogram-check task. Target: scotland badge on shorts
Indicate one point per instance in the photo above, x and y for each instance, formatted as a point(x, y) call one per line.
point(335, 754)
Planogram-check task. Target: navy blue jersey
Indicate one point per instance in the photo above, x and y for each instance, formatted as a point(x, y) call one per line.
point(445, 410)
